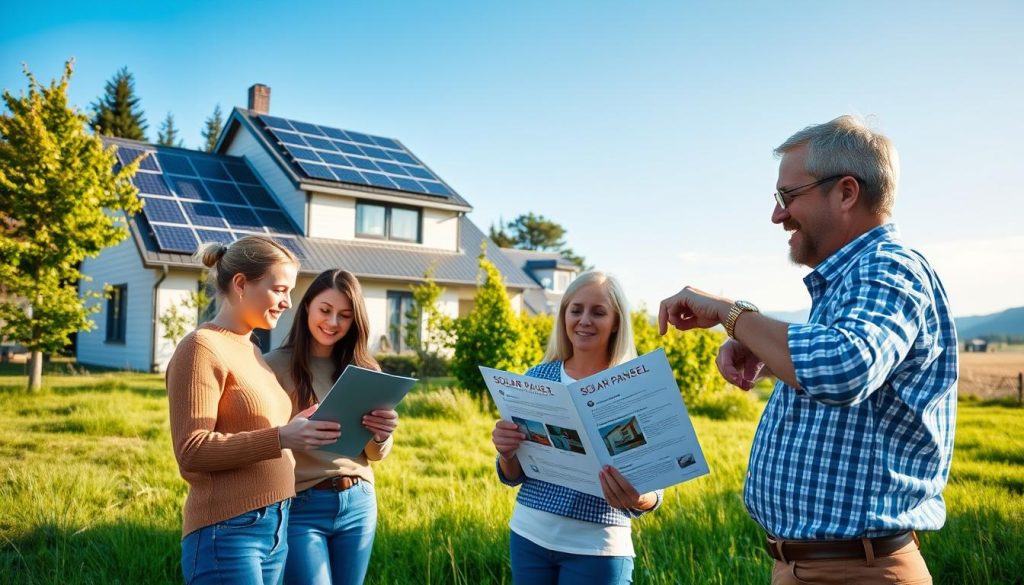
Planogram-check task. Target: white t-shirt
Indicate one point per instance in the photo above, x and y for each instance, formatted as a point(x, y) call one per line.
point(569, 535)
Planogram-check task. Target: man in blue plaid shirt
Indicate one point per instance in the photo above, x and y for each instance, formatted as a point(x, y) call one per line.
point(853, 449)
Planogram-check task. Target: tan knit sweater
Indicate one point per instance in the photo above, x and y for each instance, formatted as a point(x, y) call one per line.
point(225, 406)
point(312, 467)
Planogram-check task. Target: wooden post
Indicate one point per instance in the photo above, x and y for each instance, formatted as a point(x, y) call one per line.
point(1020, 388)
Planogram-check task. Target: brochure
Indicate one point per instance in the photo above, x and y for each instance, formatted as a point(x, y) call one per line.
point(357, 392)
point(630, 416)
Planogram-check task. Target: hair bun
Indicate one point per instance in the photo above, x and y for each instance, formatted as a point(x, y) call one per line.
point(212, 253)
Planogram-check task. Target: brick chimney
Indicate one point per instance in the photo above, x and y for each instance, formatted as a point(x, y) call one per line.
point(259, 99)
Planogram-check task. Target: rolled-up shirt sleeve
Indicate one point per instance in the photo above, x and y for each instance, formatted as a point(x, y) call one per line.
point(870, 331)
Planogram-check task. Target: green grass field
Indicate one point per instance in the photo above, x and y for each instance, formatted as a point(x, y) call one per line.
point(90, 494)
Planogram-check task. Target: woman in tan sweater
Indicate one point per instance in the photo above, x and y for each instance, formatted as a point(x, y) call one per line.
point(230, 422)
point(334, 513)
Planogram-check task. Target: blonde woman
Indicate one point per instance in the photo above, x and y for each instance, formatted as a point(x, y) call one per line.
point(230, 422)
point(560, 535)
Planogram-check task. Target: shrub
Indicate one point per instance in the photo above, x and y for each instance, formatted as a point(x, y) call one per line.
point(400, 364)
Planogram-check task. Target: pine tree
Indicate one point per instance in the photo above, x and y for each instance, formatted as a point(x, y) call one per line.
point(168, 134)
point(211, 131)
point(118, 112)
point(60, 203)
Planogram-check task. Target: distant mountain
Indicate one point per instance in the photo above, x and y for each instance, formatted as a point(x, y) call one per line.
point(1008, 322)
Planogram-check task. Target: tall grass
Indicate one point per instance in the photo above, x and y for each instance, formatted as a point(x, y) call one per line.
point(89, 493)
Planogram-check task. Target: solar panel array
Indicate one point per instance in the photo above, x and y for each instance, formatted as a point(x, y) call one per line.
point(193, 198)
point(353, 157)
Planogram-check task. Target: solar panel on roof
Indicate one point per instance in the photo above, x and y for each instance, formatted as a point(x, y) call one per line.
point(362, 151)
point(300, 153)
point(258, 196)
point(292, 244)
point(363, 163)
point(175, 238)
point(348, 148)
point(379, 180)
point(361, 138)
point(225, 192)
point(333, 158)
point(165, 210)
point(241, 218)
point(316, 171)
point(307, 128)
point(223, 237)
point(274, 122)
point(175, 164)
point(151, 183)
point(403, 157)
point(189, 188)
point(321, 143)
point(204, 214)
point(241, 173)
point(276, 222)
point(127, 155)
point(210, 169)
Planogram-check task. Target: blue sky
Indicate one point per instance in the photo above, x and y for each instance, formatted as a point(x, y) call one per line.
point(645, 128)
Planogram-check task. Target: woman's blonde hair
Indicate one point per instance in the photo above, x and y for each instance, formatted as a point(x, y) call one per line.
point(251, 256)
point(621, 346)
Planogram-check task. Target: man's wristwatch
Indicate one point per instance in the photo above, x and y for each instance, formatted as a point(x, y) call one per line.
point(738, 308)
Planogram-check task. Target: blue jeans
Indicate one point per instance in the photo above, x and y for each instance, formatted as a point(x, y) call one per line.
point(330, 536)
point(533, 564)
point(248, 549)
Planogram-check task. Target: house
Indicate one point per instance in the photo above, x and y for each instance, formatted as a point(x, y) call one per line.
point(552, 273)
point(337, 198)
point(976, 345)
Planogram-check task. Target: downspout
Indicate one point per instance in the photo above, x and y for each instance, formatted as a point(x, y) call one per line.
point(153, 366)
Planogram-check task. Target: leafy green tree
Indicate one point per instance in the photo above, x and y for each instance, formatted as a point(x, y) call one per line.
point(212, 127)
point(535, 232)
point(536, 333)
point(118, 112)
point(489, 335)
point(57, 189)
point(427, 328)
point(168, 134)
point(180, 318)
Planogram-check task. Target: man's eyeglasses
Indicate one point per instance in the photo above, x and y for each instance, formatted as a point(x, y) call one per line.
point(784, 196)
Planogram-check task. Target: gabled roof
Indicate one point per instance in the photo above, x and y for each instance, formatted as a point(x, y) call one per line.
point(321, 157)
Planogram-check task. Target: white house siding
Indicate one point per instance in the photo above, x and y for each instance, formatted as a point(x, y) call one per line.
point(292, 200)
point(173, 290)
point(441, 230)
point(116, 265)
point(332, 216)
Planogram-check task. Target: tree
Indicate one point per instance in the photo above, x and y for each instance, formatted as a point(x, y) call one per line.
point(168, 134)
point(489, 335)
point(118, 112)
point(211, 130)
point(57, 189)
point(535, 232)
point(179, 318)
point(428, 329)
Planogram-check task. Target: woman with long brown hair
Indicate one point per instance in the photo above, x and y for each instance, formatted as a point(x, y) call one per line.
point(334, 513)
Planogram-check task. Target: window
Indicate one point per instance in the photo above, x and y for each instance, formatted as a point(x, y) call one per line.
point(562, 280)
point(117, 305)
point(387, 222)
point(399, 303)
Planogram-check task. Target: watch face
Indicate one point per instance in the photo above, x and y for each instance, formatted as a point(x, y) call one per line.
point(746, 306)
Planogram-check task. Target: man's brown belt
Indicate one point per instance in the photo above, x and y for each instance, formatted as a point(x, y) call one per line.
point(863, 548)
point(337, 484)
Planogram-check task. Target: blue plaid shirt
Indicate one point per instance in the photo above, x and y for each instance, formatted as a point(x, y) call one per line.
point(863, 448)
point(564, 501)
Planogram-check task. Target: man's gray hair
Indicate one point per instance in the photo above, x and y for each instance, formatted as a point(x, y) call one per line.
point(845, 146)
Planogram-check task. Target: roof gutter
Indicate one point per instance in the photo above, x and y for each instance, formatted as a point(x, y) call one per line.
point(153, 366)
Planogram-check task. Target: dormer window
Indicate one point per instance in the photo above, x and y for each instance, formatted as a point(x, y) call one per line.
point(388, 222)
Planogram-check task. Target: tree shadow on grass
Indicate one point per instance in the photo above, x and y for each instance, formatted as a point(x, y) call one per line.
point(106, 553)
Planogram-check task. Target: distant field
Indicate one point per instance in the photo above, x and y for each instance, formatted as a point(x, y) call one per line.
point(991, 374)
